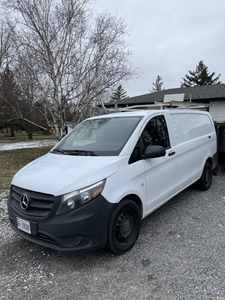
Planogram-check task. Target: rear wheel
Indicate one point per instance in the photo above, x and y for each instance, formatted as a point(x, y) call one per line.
point(206, 179)
point(124, 227)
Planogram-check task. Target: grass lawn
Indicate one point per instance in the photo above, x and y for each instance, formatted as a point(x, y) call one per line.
point(13, 160)
point(24, 137)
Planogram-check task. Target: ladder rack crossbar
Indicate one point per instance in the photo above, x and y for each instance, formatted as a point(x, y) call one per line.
point(159, 105)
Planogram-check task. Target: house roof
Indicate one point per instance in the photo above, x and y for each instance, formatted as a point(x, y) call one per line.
point(204, 93)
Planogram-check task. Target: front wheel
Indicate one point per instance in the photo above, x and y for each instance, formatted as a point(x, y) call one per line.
point(206, 179)
point(124, 227)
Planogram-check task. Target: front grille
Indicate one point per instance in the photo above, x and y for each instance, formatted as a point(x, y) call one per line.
point(40, 205)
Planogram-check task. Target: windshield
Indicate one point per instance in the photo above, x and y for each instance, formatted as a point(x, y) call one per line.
point(105, 136)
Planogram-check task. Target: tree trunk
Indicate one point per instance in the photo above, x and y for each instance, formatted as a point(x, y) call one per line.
point(30, 135)
point(12, 132)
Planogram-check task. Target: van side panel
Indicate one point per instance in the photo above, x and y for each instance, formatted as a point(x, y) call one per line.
point(187, 127)
point(195, 136)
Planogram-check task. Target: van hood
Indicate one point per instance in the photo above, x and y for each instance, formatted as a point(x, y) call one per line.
point(58, 174)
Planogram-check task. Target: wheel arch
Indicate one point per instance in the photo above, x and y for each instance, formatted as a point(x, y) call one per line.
point(136, 200)
point(209, 159)
point(212, 159)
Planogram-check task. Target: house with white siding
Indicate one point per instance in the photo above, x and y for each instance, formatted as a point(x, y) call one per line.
point(212, 95)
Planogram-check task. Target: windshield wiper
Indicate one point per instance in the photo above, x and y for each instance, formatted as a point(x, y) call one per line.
point(75, 152)
point(80, 152)
point(58, 150)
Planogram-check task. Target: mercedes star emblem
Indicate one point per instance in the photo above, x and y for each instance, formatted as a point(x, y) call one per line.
point(24, 201)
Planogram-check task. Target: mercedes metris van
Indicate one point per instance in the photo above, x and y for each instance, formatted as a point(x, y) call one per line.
point(96, 185)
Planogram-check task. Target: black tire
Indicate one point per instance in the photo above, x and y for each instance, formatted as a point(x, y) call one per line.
point(205, 181)
point(124, 227)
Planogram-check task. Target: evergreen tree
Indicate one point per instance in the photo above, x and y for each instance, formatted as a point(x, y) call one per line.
point(18, 108)
point(157, 85)
point(118, 94)
point(200, 76)
point(9, 95)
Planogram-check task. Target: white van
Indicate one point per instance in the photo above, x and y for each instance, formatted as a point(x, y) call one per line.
point(94, 187)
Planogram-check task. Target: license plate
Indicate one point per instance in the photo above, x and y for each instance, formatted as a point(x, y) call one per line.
point(23, 225)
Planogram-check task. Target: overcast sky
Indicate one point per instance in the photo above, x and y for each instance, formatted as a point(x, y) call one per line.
point(170, 37)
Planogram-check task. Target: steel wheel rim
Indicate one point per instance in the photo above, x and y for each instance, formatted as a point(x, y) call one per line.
point(125, 227)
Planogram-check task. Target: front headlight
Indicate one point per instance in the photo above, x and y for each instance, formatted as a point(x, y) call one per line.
point(77, 198)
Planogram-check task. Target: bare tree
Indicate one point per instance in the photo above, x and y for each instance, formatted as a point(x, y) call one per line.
point(77, 58)
point(5, 44)
point(28, 107)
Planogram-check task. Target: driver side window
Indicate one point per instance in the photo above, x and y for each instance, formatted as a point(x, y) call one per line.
point(156, 133)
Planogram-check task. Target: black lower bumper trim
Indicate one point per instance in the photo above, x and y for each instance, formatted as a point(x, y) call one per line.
point(84, 229)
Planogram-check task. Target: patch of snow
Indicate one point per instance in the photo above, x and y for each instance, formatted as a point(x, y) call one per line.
point(27, 144)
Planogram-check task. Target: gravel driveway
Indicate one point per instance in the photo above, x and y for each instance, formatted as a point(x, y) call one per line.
point(180, 254)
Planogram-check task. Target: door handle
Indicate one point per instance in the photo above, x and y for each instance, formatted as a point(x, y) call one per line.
point(171, 153)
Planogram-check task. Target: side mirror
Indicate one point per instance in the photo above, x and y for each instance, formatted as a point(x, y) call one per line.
point(154, 151)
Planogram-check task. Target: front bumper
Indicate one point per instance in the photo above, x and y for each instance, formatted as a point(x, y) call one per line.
point(83, 229)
